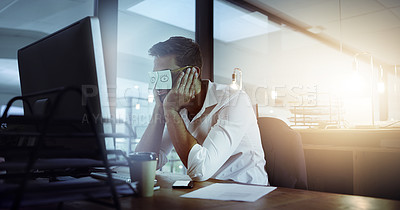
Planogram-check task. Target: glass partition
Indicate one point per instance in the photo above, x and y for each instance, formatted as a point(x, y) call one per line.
point(24, 22)
point(141, 24)
point(294, 77)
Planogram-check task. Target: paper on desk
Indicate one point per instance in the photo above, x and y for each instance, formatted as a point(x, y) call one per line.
point(226, 191)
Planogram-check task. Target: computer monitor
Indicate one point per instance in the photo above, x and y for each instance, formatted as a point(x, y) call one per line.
point(70, 57)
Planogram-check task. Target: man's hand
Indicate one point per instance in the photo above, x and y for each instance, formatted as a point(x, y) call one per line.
point(158, 113)
point(182, 92)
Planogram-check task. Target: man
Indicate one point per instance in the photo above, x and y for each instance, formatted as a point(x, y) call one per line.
point(212, 127)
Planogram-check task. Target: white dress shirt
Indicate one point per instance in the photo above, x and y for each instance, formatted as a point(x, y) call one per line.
point(228, 139)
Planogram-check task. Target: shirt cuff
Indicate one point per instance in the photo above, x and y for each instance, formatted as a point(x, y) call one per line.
point(162, 159)
point(195, 163)
point(193, 153)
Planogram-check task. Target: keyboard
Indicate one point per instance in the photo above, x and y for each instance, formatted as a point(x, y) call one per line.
point(119, 177)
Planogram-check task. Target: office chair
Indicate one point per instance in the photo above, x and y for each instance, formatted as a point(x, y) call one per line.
point(284, 154)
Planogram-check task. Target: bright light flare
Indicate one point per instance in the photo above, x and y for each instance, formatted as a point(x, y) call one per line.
point(353, 84)
point(274, 95)
point(381, 87)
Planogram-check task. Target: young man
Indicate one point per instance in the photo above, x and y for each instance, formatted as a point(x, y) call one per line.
point(212, 127)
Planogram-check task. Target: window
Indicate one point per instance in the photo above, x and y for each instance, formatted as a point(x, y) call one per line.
point(141, 25)
point(24, 22)
point(295, 77)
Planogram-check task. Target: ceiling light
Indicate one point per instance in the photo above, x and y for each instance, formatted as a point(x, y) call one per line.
point(316, 29)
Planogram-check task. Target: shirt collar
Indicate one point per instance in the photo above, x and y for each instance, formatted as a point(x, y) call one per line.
point(211, 98)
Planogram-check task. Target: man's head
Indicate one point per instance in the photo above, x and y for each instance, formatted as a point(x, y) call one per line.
point(175, 53)
point(185, 51)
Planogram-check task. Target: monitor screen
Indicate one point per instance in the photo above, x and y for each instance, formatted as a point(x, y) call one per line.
point(70, 57)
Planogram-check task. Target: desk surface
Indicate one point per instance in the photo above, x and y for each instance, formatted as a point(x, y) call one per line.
point(281, 198)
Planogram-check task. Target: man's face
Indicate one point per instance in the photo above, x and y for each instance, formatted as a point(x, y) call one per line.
point(163, 63)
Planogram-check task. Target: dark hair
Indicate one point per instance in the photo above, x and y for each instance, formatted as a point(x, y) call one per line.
point(187, 52)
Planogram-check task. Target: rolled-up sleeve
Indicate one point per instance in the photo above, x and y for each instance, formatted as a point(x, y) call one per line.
point(223, 139)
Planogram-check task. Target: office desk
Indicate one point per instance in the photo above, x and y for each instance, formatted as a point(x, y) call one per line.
point(281, 198)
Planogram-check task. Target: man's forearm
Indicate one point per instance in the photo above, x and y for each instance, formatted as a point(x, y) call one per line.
point(151, 139)
point(182, 140)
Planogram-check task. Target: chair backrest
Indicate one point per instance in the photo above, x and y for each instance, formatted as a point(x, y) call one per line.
point(284, 154)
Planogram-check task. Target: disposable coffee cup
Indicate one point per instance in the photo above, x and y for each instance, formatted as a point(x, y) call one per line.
point(142, 167)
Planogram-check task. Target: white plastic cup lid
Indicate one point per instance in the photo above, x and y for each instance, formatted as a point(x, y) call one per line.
point(143, 156)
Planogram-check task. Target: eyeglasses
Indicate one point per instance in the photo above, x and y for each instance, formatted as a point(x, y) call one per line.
point(163, 79)
point(180, 69)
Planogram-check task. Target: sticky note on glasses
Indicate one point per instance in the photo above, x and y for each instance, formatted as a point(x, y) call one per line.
point(153, 77)
point(160, 80)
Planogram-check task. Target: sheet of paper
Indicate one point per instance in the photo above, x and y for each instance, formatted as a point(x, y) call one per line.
point(228, 191)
